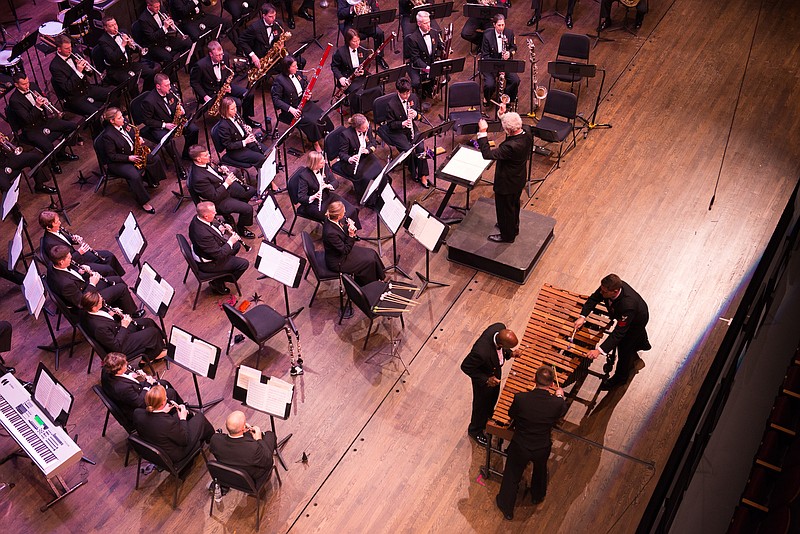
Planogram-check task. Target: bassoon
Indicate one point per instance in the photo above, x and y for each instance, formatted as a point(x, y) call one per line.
point(311, 82)
point(337, 94)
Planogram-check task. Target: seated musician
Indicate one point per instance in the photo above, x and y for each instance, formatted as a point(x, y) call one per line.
point(498, 43)
point(420, 49)
point(12, 164)
point(159, 34)
point(31, 113)
point(215, 184)
point(398, 130)
point(215, 252)
point(241, 146)
point(245, 447)
point(71, 80)
point(116, 49)
point(259, 38)
point(127, 388)
point(474, 28)
point(311, 189)
point(209, 75)
point(407, 24)
point(170, 427)
point(70, 282)
point(347, 61)
point(117, 146)
point(239, 8)
point(346, 12)
point(357, 161)
point(287, 93)
point(100, 261)
point(159, 112)
point(193, 21)
point(341, 253)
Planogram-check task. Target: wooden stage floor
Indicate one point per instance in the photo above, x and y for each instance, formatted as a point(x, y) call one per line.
point(707, 92)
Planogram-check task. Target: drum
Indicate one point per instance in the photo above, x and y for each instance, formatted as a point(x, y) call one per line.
point(9, 66)
point(77, 29)
point(51, 29)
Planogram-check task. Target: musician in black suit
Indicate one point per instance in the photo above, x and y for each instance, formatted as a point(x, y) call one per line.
point(239, 8)
point(398, 130)
point(498, 43)
point(484, 365)
point(420, 49)
point(12, 164)
point(311, 190)
point(158, 115)
point(257, 40)
point(605, 14)
point(116, 49)
point(245, 447)
point(357, 160)
point(630, 311)
point(158, 33)
point(474, 27)
point(170, 427)
point(101, 261)
point(209, 75)
point(537, 12)
point(70, 283)
point(533, 415)
point(236, 138)
point(346, 12)
point(119, 332)
point(214, 184)
point(71, 80)
point(341, 253)
point(194, 21)
point(215, 252)
point(117, 146)
point(347, 60)
point(128, 388)
point(511, 172)
point(287, 94)
point(29, 115)
point(407, 24)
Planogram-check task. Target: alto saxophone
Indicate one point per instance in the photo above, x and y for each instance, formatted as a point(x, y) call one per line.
point(225, 89)
point(538, 91)
point(139, 149)
point(179, 118)
point(273, 55)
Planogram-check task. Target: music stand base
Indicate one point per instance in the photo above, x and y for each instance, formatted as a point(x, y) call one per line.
point(428, 282)
point(281, 443)
point(205, 405)
point(396, 268)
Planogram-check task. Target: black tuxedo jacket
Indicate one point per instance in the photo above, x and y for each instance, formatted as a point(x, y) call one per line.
point(533, 415)
point(184, 9)
point(630, 311)
point(113, 56)
point(348, 146)
point(229, 136)
point(342, 64)
point(207, 243)
point(396, 114)
point(337, 242)
point(115, 147)
point(246, 453)
point(128, 394)
point(164, 430)
point(67, 286)
point(206, 185)
point(111, 335)
point(156, 111)
point(49, 240)
point(489, 48)
point(511, 155)
point(482, 361)
point(285, 95)
point(66, 83)
point(203, 80)
point(415, 51)
point(303, 184)
point(255, 39)
point(23, 113)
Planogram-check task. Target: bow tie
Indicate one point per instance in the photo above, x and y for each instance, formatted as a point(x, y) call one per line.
point(216, 65)
point(426, 34)
point(268, 26)
point(26, 93)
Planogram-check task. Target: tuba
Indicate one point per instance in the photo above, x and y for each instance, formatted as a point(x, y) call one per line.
point(275, 54)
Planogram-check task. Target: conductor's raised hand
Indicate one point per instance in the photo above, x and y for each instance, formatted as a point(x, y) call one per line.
point(483, 126)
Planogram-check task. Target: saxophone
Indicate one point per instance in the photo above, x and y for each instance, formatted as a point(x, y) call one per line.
point(225, 89)
point(179, 117)
point(139, 149)
point(273, 55)
point(501, 78)
point(539, 91)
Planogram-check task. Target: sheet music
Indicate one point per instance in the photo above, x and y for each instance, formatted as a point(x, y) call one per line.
point(467, 164)
point(10, 197)
point(15, 247)
point(267, 171)
point(393, 211)
point(247, 376)
point(33, 288)
point(131, 239)
point(269, 397)
point(191, 54)
point(195, 354)
point(270, 219)
point(425, 228)
point(153, 293)
point(51, 396)
point(278, 265)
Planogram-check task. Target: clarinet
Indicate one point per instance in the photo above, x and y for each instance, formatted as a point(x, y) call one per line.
point(80, 242)
point(116, 312)
point(227, 227)
point(79, 268)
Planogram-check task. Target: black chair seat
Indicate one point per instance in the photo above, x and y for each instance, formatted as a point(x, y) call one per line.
point(240, 480)
point(561, 128)
point(324, 272)
point(265, 320)
point(259, 324)
point(463, 118)
point(316, 263)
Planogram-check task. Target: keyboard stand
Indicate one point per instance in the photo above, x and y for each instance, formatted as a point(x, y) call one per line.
point(61, 490)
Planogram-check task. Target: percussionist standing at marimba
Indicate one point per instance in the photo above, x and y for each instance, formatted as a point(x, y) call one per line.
point(533, 415)
point(483, 365)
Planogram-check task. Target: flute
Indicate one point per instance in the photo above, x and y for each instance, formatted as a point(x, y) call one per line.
point(85, 268)
point(228, 228)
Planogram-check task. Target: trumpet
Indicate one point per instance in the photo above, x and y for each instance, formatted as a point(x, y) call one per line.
point(167, 21)
point(9, 147)
point(47, 104)
point(73, 56)
point(136, 46)
point(78, 240)
point(228, 228)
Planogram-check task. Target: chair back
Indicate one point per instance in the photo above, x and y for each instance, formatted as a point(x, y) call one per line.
point(69, 313)
point(97, 144)
point(574, 45)
point(240, 322)
point(215, 138)
point(380, 108)
point(332, 143)
point(151, 453)
point(562, 104)
point(464, 94)
point(186, 251)
point(316, 259)
point(98, 59)
point(114, 410)
point(97, 348)
point(292, 185)
point(190, 186)
point(136, 31)
point(137, 116)
point(231, 477)
point(356, 295)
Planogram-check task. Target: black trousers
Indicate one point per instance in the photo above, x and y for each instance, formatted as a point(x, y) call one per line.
point(470, 30)
point(237, 203)
point(312, 211)
point(232, 265)
point(605, 9)
point(144, 338)
point(483, 400)
point(16, 163)
point(195, 27)
point(154, 171)
point(104, 262)
point(81, 104)
point(117, 295)
point(507, 210)
point(161, 55)
point(627, 352)
point(490, 84)
point(119, 75)
point(537, 7)
point(516, 462)
point(43, 135)
point(199, 430)
point(416, 167)
point(245, 157)
point(191, 134)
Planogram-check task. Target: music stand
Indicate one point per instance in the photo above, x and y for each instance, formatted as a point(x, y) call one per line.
point(131, 240)
point(371, 20)
point(392, 212)
point(314, 37)
point(463, 167)
point(430, 232)
point(35, 297)
point(155, 292)
point(57, 207)
point(24, 45)
point(393, 303)
point(436, 11)
point(267, 172)
point(478, 11)
point(536, 31)
point(445, 67)
point(15, 246)
point(10, 198)
point(387, 76)
point(268, 395)
point(282, 266)
point(197, 356)
point(270, 218)
point(591, 124)
point(434, 132)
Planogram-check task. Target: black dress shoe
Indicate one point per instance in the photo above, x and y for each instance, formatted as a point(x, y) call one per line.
point(497, 238)
point(480, 439)
point(304, 14)
point(45, 189)
point(531, 21)
point(382, 63)
point(252, 123)
point(10, 369)
point(425, 185)
point(138, 314)
point(67, 157)
point(291, 27)
point(638, 23)
point(611, 383)
point(568, 20)
point(537, 500)
point(247, 234)
point(56, 168)
point(151, 210)
point(604, 24)
point(506, 515)
point(221, 289)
